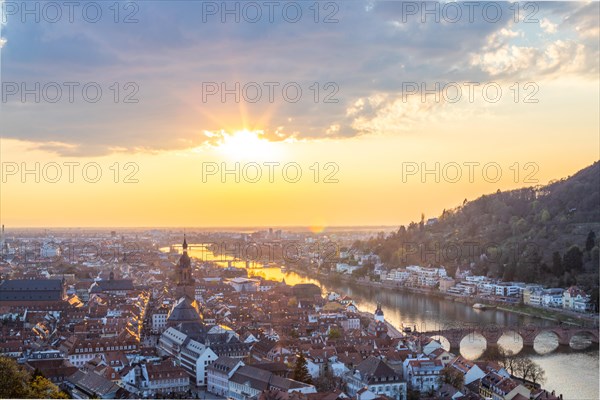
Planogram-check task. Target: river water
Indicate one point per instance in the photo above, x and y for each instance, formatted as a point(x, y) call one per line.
point(572, 372)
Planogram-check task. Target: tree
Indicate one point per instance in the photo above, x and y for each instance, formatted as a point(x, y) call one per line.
point(595, 298)
point(523, 367)
point(545, 216)
point(506, 358)
point(16, 382)
point(537, 374)
point(527, 369)
point(509, 272)
point(453, 377)
point(595, 256)
point(326, 381)
point(301, 373)
point(557, 267)
point(413, 394)
point(360, 272)
point(334, 334)
point(573, 259)
point(13, 380)
point(42, 388)
point(590, 242)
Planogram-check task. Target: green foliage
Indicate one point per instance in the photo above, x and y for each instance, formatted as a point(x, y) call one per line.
point(334, 334)
point(595, 298)
point(361, 272)
point(42, 388)
point(326, 381)
point(533, 234)
point(590, 242)
point(17, 383)
point(573, 259)
point(453, 377)
point(557, 267)
point(517, 365)
point(545, 216)
point(413, 395)
point(301, 373)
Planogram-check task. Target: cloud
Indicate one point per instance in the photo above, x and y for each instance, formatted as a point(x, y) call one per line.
point(557, 59)
point(362, 62)
point(548, 26)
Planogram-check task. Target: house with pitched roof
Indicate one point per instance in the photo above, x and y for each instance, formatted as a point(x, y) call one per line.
point(497, 387)
point(219, 373)
point(378, 377)
point(424, 375)
point(248, 382)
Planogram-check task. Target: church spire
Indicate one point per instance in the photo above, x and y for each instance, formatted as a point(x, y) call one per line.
point(185, 245)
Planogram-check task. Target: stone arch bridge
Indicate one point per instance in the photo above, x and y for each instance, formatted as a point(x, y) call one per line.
point(528, 333)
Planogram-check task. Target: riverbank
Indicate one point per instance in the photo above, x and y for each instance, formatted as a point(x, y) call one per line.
point(555, 315)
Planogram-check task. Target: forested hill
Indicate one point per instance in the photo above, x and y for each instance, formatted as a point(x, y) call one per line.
point(543, 234)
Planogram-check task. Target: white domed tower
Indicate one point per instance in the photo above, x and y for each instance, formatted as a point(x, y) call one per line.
point(379, 313)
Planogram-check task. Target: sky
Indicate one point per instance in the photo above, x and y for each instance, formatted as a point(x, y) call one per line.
point(329, 113)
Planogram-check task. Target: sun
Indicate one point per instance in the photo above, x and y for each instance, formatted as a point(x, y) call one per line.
point(247, 145)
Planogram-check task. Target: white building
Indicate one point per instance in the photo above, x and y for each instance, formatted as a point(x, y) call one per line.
point(344, 268)
point(193, 356)
point(468, 368)
point(378, 377)
point(50, 249)
point(159, 319)
point(576, 299)
point(248, 382)
point(156, 379)
point(350, 323)
point(219, 373)
point(423, 375)
point(509, 289)
point(240, 284)
point(552, 297)
point(534, 297)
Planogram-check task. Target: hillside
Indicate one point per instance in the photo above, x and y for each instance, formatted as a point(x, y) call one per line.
point(543, 234)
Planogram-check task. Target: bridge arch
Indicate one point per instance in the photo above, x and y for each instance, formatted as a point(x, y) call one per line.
point(511, 340)
point(583, 339)
point(474, 345)
point(527, 335)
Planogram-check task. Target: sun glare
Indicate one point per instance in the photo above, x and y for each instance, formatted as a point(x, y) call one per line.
point(248, 145)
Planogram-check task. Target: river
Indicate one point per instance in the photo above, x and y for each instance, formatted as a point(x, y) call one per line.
point(572, 372)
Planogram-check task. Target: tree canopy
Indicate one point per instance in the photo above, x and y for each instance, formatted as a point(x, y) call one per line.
point(301, 373)
point(18, 383)
point(543, 234)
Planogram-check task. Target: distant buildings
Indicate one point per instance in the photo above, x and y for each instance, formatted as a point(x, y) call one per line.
point(117, 287)
point(576, 299)
point(573, 298)
point(244, 284)
point(416, 276)
point(32, 293)
point(177, 325)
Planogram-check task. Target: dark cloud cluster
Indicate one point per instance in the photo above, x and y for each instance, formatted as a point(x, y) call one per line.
point(174, 48)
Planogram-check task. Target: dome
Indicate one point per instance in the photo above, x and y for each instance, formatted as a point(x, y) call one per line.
point(185, 310)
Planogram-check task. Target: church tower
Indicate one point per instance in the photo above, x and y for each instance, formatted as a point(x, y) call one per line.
point(379, 313)
point(186, 308)
point(185, 282)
